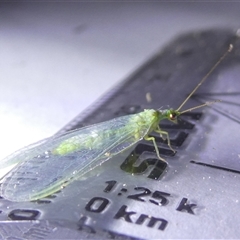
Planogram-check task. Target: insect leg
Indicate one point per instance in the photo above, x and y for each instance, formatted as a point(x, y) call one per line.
point(161, 132)
point(155, 146)
point(161, 135)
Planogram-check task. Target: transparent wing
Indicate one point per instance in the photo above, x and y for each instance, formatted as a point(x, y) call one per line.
point(22, 154)
point(62, 159)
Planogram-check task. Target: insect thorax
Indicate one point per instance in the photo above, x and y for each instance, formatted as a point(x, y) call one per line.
point(145, 122)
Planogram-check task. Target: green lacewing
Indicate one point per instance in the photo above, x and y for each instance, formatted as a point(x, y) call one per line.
point(45, 167)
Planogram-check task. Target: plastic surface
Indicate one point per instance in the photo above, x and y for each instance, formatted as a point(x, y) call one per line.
point(195, 196)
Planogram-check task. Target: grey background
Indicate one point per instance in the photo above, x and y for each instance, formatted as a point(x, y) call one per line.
point(57, 58)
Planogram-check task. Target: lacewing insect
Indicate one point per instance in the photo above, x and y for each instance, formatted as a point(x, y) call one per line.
point(46, 166)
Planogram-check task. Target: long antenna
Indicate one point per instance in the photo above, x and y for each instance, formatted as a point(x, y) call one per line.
point(199, 106)
point(206, 76)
